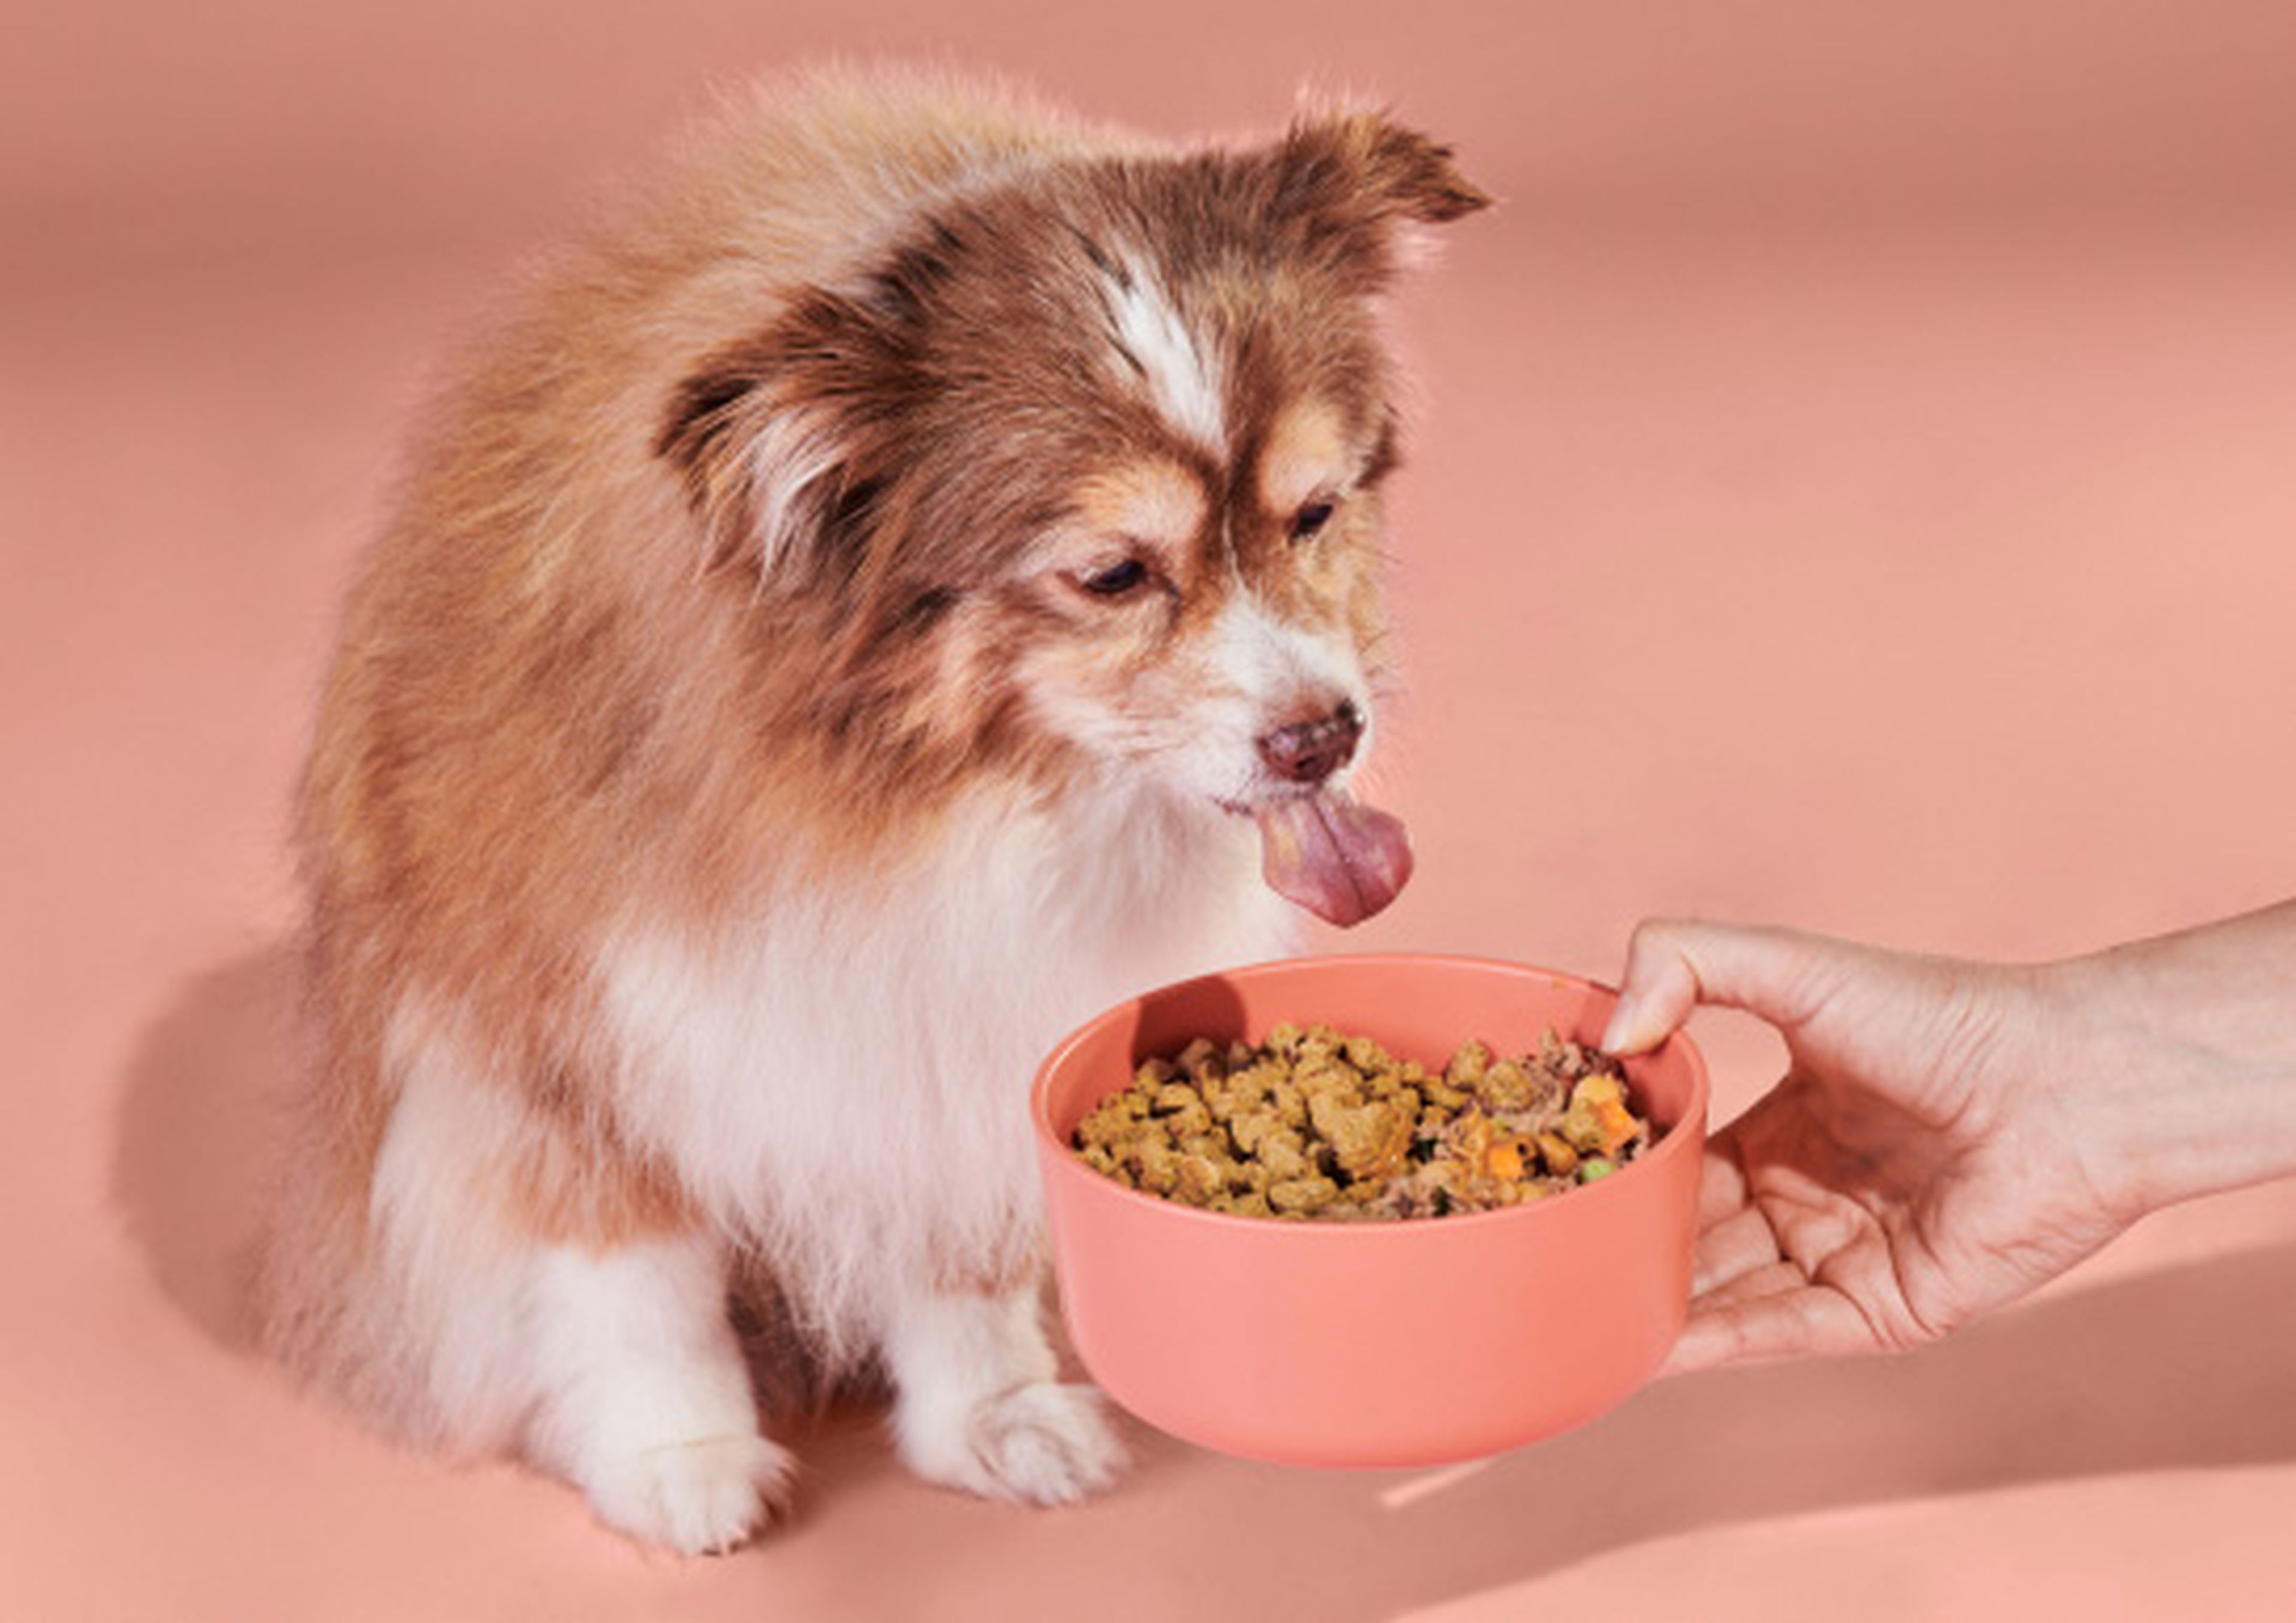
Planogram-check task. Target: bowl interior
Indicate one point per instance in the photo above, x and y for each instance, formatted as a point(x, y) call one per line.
point(1419, 1006)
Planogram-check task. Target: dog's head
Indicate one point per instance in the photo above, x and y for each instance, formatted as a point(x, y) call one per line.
point(1085, 475)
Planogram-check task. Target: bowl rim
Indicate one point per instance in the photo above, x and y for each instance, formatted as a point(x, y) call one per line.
point(1672, 1144)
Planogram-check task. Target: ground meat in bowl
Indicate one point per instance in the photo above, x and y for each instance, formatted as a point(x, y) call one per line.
point(1310, 1124)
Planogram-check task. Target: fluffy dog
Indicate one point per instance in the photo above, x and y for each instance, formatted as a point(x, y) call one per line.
point(902, 583)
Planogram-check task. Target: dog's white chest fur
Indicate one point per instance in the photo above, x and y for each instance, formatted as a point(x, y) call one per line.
point(843, 1081)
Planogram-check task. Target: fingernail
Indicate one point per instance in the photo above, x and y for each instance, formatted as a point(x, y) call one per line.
point(1623, 1021)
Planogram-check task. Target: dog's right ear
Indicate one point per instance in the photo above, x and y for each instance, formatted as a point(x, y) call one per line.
point(1360, 190)
point(1380, 167)
point(763, 435)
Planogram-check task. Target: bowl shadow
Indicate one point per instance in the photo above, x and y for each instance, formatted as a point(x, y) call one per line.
point(2186, 1368)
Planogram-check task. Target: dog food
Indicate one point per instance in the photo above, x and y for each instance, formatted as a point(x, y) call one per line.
point(1310, 1124)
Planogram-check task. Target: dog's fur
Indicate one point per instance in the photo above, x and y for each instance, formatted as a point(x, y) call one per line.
point(750, 745)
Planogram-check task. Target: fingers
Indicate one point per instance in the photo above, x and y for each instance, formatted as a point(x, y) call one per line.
point(1733, 1237)
point(1721, 1181)
point(1737, 1245)
point(1656, 993)
point(1761, 1279)
point(1794, 1319)
point(1674, 965)
point(1748, 1300)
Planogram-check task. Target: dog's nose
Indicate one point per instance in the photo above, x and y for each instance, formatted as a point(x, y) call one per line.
point(1309, 751)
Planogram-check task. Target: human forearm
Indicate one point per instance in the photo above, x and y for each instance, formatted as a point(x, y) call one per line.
point(2181, 1058)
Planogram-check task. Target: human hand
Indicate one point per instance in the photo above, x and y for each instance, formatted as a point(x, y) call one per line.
point(1928, 1156)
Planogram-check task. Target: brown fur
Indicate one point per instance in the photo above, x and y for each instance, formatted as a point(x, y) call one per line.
point(571, 692)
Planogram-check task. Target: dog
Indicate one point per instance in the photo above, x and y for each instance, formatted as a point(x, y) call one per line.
point(903, 580)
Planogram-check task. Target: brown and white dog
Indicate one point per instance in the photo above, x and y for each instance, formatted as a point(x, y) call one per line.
point(905, 583)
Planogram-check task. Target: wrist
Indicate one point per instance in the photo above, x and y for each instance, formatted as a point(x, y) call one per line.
point(2176, 1063)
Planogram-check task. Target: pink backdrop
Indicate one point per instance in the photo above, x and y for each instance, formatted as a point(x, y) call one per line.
point(1855, 486)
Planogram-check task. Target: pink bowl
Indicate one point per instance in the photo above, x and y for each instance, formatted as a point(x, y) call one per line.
point(1378, 1344)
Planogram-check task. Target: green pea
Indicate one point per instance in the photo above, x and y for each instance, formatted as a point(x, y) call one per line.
point(1595, 1167)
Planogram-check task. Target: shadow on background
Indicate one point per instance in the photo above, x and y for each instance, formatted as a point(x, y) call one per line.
point(2190, 1367)
point(202, 1126)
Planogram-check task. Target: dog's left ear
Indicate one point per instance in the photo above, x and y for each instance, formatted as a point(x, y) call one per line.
point(1359, 179)
point(765, 437)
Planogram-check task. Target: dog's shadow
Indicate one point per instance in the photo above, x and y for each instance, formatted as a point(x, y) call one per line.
point(203, 1125)
point(2189, 1367)
point(201, 1129)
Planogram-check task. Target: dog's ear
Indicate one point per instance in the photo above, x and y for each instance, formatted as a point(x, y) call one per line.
point(1383, 166)
point(765, 438)
point(1358, 182)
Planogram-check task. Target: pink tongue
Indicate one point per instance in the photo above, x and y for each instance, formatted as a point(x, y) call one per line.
point(1341, 861)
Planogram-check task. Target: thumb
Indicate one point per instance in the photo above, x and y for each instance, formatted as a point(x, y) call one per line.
point(1673, 966)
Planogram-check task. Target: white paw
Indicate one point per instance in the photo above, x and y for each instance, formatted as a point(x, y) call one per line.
point(698, 1499)
point(1039, 1444)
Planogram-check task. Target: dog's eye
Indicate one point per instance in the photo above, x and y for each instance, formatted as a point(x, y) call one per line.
point(1311, 518)
point(1117, 580)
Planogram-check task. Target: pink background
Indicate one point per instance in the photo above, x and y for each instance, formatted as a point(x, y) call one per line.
point(1857, 486)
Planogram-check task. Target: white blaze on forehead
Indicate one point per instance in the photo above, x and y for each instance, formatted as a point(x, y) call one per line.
point(1158, 349)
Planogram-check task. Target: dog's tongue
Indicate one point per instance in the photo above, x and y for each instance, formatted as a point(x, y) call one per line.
point(1341, 861)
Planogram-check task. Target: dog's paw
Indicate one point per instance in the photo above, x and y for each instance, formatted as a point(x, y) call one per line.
point(1039, 1444)
point(699, 1498)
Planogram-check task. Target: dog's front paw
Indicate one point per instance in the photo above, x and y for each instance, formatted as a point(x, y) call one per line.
point(700, 1498)
point(1038, 1444)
